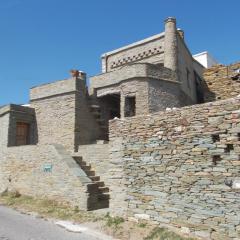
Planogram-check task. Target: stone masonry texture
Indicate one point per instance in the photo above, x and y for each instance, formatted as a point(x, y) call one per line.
point(23, 170)
point(219, 82)
point(181, 167)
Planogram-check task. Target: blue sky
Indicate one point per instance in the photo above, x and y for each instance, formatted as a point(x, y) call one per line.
point(41, 40)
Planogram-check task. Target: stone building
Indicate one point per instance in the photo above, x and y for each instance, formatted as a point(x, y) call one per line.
point(75, 143)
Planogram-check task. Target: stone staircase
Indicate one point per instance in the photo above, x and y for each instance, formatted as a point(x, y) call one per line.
point(98, 192)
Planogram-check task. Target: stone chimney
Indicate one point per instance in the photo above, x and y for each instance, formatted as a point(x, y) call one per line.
point(181, 33)
point(170, 44)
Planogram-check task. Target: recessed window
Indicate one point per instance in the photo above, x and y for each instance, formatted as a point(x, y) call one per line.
point(22, 133)
point(130, 107)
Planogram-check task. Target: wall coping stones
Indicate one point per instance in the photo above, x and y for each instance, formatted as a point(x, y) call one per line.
point(132, 71)
point(16, 108)
point(55, 88)
point(135, 44)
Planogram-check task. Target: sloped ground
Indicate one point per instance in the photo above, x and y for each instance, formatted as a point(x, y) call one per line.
point(113, 226)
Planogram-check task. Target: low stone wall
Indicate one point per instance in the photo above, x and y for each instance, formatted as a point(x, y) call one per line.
point(44, 171)
point(181, 167)
point(105, 160)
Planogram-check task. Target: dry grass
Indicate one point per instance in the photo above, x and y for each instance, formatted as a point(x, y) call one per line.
point(115, 226)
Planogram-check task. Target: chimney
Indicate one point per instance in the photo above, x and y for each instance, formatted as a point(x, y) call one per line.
point(170, 44)
point(181, 33)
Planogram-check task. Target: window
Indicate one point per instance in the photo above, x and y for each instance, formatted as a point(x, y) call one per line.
point(22, 133)
point(130, 106)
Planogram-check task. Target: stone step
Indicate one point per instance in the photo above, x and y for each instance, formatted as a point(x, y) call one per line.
point(92, 188)
point(78, 159)
point(104, 196)
point(103, 189)
point(95, 178)
point(100, 183)
point(98, 203)
point(85, 167)
point(90, 173)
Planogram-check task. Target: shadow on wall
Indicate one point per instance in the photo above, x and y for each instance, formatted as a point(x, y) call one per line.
point(209, 96)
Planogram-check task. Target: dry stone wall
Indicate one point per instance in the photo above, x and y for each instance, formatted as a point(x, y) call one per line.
point(219, 82)
point(181, 167)
point(45, 171)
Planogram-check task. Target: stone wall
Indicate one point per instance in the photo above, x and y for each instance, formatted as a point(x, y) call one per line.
point(187, 63)
point(63, 114)
point(10, 115)
point(219, 82)
point(4, 123)
point(165, 94)
point(56, 120)
point(138, 70)
point(149, 50)
point(181, 167)
point(45, 172)
point(97, 155)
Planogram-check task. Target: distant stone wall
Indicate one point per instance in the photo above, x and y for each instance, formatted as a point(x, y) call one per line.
point(181, 167)
point(43, 172)
point(219, 84)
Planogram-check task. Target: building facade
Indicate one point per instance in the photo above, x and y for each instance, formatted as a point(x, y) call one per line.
point(136, 124)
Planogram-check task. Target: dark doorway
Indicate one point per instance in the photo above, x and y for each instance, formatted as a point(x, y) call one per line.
point(22, 133)
point(130, 106)
point(111, 105)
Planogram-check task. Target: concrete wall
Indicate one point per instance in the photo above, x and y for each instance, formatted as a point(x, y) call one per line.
point(149, 50)
point(181, 167)
point(23, 169)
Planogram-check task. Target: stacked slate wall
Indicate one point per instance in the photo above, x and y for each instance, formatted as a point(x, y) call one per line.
point(222, 82)
point(43, 171)
point(181, 167)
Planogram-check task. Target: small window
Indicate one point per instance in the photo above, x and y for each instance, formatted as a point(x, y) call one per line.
point(130, 106)
point(22, 133)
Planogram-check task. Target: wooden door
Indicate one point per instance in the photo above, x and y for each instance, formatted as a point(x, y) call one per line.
point(22, 134)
